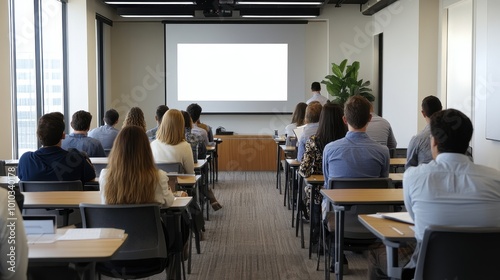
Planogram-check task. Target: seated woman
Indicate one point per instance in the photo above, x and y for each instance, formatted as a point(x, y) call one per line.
point(135, 116)
point(196, 140)
point(131, 176)
point(297, 120)
point(171, 146)
point(330, 128)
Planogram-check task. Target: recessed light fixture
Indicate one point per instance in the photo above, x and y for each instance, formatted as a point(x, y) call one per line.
point(276, 3)
point(278, 16)
point(157, 16)
point(150, 3)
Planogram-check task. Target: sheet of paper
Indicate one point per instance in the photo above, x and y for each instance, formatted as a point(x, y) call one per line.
point(398, 216)
point(92, 233)
point(298, 132)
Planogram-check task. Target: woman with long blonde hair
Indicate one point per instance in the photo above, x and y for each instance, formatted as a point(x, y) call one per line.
point(171, 146)
point(135, 116)
point(132, 176)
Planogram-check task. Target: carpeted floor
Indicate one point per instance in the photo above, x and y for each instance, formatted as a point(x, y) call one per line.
point(251, 236)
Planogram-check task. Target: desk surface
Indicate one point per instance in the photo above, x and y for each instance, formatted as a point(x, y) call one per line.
point(384, 228)
point(288, 149)
point(72, 199)
point(74, 250)
point(293, 162)
point(397, 161)
point(200, 163)
point(320, 179)
point(363, 196)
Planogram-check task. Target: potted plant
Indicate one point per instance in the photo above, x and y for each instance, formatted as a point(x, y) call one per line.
point(344, 83)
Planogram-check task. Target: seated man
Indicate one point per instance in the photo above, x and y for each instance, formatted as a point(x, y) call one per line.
point(419, 149)
point(451, 190)
point(80, 122)
point(106, 134)
point(356, 155)
point(313, 111)
point(160, 111)
point(51, 162)
point(380, 130)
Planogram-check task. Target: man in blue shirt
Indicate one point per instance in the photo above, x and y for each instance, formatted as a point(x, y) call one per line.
point(80, 122)
point(106, 134)
point(356, 155)
point(51, 162)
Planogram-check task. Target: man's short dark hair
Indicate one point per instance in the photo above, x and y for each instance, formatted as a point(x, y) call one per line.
point(316, 86)
point(160, 111)
point(111, 117)
point(431, 105)
point(81, 120)
point(194, 111)
point(452, 130)
point(50, 128)
point(313, 111)
point(357, 111)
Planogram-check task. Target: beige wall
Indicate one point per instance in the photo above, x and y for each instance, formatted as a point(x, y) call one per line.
point(5, 83)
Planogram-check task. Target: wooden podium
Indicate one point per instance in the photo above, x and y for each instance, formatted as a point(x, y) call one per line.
point(247, 153)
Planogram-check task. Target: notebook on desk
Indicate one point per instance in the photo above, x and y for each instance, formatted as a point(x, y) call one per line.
point(398, 216)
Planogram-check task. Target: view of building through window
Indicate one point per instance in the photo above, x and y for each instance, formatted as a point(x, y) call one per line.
point(39, 66)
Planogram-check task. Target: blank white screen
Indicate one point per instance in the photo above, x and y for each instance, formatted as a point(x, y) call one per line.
point(266, 64)
point(235, 68)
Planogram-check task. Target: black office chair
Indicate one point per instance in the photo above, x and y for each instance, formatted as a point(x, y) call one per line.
point(171, 167)
point(459, 253)
point(48, 186)
point(356, 236)
point(144, 252)
point(98, 167)
point(2, 168)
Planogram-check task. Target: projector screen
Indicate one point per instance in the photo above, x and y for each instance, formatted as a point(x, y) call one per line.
point(235, 68)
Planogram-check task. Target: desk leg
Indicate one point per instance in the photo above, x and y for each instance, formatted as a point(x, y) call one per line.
point(277, 164)
point(293, 192)
point(393, 269)
point(287, 191)
point(339, 241)
point(300, 210)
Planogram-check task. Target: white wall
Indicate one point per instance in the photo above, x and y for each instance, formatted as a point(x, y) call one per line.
point(400, 88)
point(485, 151)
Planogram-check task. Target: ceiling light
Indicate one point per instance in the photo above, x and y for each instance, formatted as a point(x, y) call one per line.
point(278, 16)
point(150, 3)
point(276, 3)
point(157, 16)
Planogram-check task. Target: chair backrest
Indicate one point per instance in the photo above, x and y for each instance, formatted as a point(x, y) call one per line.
point(175, 167)
point(352, 227)
point(141, 222)
point(459, 253)
point(98, 167)
point(48, 186)
point(2, 168)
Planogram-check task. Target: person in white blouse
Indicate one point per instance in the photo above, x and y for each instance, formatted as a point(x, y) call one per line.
point(170, 146)
point(132, 176)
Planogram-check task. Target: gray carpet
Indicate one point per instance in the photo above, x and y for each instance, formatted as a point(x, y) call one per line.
point(251, 236)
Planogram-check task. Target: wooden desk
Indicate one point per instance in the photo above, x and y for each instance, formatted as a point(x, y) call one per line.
point(61, 199)
point(340, 198)
point(83, 252)
point(89, 250)
point(316, 180)
point(384, 230)
point(72, 199)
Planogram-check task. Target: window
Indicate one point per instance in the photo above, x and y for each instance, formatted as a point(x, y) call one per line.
point(39, 65)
